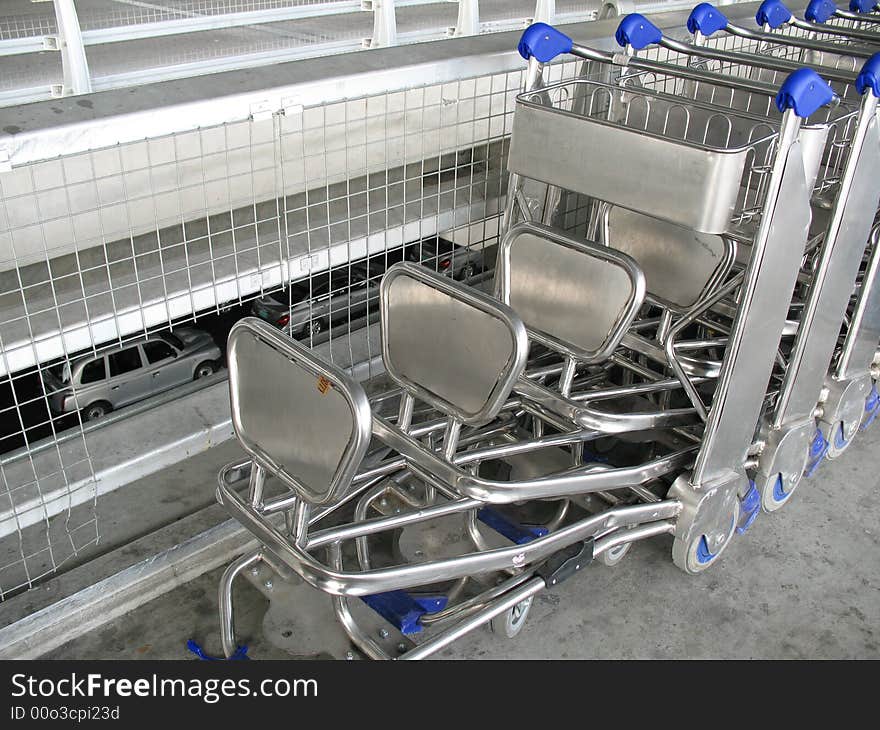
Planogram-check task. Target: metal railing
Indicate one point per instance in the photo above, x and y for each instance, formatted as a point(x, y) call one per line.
point(73, 48)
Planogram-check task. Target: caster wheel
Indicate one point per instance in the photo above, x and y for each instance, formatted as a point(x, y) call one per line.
point(839, 440)
point(700, 555)
point(775, 493)
point(613, 556)
point(511, 622)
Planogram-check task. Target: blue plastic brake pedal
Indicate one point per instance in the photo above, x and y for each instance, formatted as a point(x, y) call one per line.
point(750, 508)
point(516, 533)
point(404, 611)
point(818, 449)
point(872, 408)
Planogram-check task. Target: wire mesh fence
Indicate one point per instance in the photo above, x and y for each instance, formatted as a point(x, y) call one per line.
point(292, 217)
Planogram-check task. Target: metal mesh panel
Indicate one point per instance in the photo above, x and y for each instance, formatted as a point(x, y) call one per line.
point(100, 249)
point(25, 20)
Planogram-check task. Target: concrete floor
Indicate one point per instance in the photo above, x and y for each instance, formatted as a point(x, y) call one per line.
point(803, 583)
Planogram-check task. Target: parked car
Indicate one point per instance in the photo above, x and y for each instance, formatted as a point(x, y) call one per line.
point(309, 307)
point(117, 376)
point(446, 257)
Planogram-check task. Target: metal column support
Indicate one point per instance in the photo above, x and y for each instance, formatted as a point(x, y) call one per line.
point(73, 52)
point(384, 22)
point(545, 11)
point(468, 22)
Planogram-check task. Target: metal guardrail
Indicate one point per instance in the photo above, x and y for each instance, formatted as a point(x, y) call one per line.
point(279, 34)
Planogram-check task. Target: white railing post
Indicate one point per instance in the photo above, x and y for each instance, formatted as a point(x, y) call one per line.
point(384, 22)
point(73, 52)
point(545, 11)
point(468, 22)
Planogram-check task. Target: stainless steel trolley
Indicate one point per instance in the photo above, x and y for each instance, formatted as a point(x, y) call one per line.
point(843, 213)
point(460, 359)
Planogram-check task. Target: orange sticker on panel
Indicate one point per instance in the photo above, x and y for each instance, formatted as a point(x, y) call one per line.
point(323, 385)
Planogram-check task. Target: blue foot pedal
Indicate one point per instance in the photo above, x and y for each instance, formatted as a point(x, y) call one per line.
point(872, 408)
point(403, 610)
point(818, 449)
point(516, 533)
point(241, 653)
point(750, 508)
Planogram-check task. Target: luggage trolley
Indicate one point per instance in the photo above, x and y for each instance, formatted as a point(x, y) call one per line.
point(308, 427)
point(846, 194)
point(854, 369)
point(844, 210)
point(842, 123)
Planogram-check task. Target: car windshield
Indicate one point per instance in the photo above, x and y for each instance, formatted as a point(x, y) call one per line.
point(172, 340)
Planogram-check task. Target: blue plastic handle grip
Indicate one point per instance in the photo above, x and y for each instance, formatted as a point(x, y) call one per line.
point(637, 31)
point(804, 91)
point(862, 6)
point(869, 76)
point(820, 11)
point(772, 13)
point(706, 19)
point(543, 42)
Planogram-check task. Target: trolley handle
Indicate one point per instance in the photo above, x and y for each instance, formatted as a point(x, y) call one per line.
point(636, 31)
point(774, 14)
point(706, 20)
point(869, 76)
point(820, 11)
point(804, 92)
point(543, 42)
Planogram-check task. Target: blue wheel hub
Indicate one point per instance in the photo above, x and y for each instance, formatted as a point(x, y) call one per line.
point(818, 449)
point(779, 493)
point(704, 555)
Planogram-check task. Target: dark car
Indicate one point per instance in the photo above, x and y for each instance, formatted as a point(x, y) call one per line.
point(310, 306)
point(445, 257)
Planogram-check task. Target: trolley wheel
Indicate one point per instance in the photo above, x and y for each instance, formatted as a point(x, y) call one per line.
point(837, 441)
point(613, 556)
point(699, 556)
point(96, 410)
point(775, 494)
point(511, 622)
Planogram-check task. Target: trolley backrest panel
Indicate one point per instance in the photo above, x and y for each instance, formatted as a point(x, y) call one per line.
point(448, 344)
point(573, 295)
point(302, 419)
point(679, 263)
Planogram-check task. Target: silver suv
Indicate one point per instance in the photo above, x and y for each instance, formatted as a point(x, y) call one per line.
point(118, 376)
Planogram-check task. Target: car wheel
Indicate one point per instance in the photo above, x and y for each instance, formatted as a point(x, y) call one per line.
point(96, 410)
point(467, 271)
point(204, 370)
point(315, 327)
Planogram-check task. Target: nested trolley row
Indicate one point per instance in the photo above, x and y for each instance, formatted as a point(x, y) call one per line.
point(683, 323)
